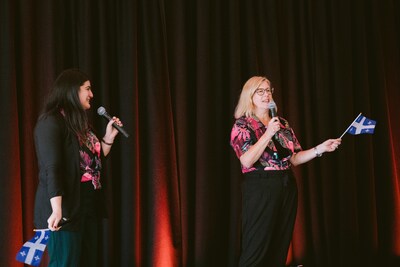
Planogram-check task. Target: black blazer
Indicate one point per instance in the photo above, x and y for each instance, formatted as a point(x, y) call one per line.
point(57, 151)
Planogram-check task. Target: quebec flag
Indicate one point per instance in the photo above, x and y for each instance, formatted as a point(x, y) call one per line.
point(32, 251)
point(362, 125)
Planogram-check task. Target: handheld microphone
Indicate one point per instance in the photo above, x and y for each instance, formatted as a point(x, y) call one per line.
point(272, 108)
point(102, 112)
point(280, 152)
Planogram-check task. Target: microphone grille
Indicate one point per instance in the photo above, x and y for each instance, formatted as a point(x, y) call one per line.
point(101, 111)
point(272, 105)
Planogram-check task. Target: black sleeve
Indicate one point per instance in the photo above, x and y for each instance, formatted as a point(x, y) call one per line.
point(49, 137)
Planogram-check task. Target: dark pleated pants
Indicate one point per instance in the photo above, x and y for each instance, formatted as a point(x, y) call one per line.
point(78, 248)
point(269, 206)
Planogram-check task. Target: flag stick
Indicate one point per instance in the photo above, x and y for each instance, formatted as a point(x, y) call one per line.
point(349, 126)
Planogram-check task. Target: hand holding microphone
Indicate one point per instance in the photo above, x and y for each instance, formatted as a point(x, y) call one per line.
point(273, 127)
point(102, 112)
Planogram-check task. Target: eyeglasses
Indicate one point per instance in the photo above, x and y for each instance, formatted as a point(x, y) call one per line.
point(262, 91)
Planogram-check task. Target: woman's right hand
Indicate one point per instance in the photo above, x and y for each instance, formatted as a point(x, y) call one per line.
point(256, 150)
point(53, 221)
point(56, 215)
point(274, 125)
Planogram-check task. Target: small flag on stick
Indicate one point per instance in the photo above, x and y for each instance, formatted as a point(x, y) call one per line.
point(32, 251)
point(361, 125)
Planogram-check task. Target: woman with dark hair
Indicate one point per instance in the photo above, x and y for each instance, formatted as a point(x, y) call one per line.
point(69, 198)
point(267, 148)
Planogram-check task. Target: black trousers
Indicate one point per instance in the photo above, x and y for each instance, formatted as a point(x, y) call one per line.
point(269, 207)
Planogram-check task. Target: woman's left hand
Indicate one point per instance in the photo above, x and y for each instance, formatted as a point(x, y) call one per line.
point(329, 145)
point(111, 131)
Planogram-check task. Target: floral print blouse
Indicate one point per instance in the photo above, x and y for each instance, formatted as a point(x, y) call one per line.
point(247, 130)
point(90, 162)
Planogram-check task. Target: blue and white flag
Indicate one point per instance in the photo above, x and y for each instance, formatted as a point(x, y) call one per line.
point(32, 251)
point(362, 125)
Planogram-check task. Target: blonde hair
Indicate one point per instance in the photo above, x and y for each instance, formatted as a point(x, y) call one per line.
point(245, 106)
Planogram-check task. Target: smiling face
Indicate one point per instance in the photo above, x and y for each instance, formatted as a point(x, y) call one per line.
point(85, 95)
point(262, 96)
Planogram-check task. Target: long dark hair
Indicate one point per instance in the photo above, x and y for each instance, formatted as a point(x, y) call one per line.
point(64, 97)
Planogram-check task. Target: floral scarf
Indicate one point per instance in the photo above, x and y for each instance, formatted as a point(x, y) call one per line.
point(90, 163)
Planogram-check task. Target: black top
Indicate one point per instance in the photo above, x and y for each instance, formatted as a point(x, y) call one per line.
point(57, 150)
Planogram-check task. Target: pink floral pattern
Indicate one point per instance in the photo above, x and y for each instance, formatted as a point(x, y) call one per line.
point(247, 130)
point(90, 163)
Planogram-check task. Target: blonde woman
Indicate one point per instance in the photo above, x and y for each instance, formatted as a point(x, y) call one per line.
point(267, 147)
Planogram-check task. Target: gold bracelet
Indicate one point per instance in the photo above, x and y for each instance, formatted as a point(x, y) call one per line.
point(110, 144)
